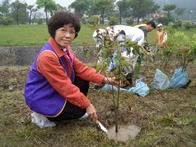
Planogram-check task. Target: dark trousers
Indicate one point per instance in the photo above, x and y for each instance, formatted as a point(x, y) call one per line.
point(139, 60)
point(71, 111)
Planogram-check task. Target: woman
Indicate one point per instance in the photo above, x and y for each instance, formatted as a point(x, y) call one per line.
point(161, 36)
point(57, 84)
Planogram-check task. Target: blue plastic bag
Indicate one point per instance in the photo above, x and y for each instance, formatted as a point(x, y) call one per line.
point(179, 78)
point(140, 89)
point(110, 87)
point(160, 81)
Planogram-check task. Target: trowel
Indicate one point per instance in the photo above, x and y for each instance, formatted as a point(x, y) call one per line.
point(101, 126)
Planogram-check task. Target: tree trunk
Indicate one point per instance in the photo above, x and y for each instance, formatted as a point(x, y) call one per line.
point(46, 17)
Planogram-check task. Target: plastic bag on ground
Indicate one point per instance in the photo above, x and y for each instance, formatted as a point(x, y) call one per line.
point(179, 78)
point(110, 87)
point(41, 120)
point(160, 81)
point(141, 88)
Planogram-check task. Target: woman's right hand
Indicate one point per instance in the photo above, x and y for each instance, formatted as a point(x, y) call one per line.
point(111, 81)
point(91, 111)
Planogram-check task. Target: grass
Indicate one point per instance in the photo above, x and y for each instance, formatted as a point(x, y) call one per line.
point(37, 35)
point(166, 118)
point(23, 35)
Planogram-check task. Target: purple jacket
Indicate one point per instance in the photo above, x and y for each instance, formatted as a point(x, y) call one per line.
point(46, 101)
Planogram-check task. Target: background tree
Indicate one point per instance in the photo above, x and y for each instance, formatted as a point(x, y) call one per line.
point(59, 7)
point(101, 7)
point(5, 16)
point(179, 11)
point(49, 7)
point(124, 9)
point(31, 10)
point(155, 8)
point(168, 9)
point(141, 8)
point(19, 12)
point(4, 8)
point(80, 7)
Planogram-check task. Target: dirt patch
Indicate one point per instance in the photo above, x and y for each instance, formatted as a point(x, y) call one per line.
point(163, 116)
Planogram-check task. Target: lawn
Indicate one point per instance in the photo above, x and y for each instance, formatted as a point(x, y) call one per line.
point(37, 35)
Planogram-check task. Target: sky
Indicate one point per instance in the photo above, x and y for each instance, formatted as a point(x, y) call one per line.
point(63, 3)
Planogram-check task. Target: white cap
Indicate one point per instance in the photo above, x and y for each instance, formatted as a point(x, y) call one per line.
point(159, 25)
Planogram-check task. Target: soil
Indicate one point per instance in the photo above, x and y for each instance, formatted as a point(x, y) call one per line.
point(133, 109)
point(16, 76)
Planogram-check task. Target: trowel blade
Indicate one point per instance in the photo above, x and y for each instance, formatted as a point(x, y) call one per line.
point(102, 127)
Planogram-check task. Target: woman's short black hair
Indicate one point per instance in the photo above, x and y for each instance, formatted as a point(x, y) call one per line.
point(60, 18)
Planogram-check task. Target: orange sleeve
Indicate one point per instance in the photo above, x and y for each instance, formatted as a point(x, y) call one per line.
point(87, 73)
point(157, 37)
point(49, 66)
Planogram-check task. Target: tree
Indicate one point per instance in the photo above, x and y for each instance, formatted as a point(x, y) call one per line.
point(49, 7)
point(31, 10)
point(168, 8)
point(79, 6)
point(179, 11)
point(124, 9)
point(19, 12)
point(59, 7)
point(4, 8)
point(102, 6)
point(141, 8)
point(5, 17)
point(155, 8)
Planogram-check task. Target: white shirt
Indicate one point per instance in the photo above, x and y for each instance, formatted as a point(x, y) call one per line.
point(132, 33)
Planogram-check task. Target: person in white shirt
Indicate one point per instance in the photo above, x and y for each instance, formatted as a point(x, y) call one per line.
point(121, 33)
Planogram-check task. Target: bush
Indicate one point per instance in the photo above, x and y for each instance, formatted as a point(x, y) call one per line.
point(84, 21)
point(40, 21)
point(177, 23)
point(112, 20)
point(129, 21)
point(188, 25)
point(163, 20)
point(194, 24)
point(94, 19)
point(7, 20)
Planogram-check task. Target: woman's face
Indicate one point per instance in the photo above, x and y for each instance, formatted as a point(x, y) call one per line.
point(159, 28)
point(65, 35)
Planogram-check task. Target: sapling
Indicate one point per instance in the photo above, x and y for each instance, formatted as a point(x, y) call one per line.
point(109, 44)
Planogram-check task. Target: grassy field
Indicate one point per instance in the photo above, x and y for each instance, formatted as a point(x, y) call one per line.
point(37, 35)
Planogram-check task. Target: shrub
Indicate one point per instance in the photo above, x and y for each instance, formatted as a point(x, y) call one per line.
point(129, 21)
point(112, 20)
point(84, 21)
point(177, 23)
point(94, 19)
point(163, 20)
point(7, 20)
point(188, 25)
point(40, 21)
